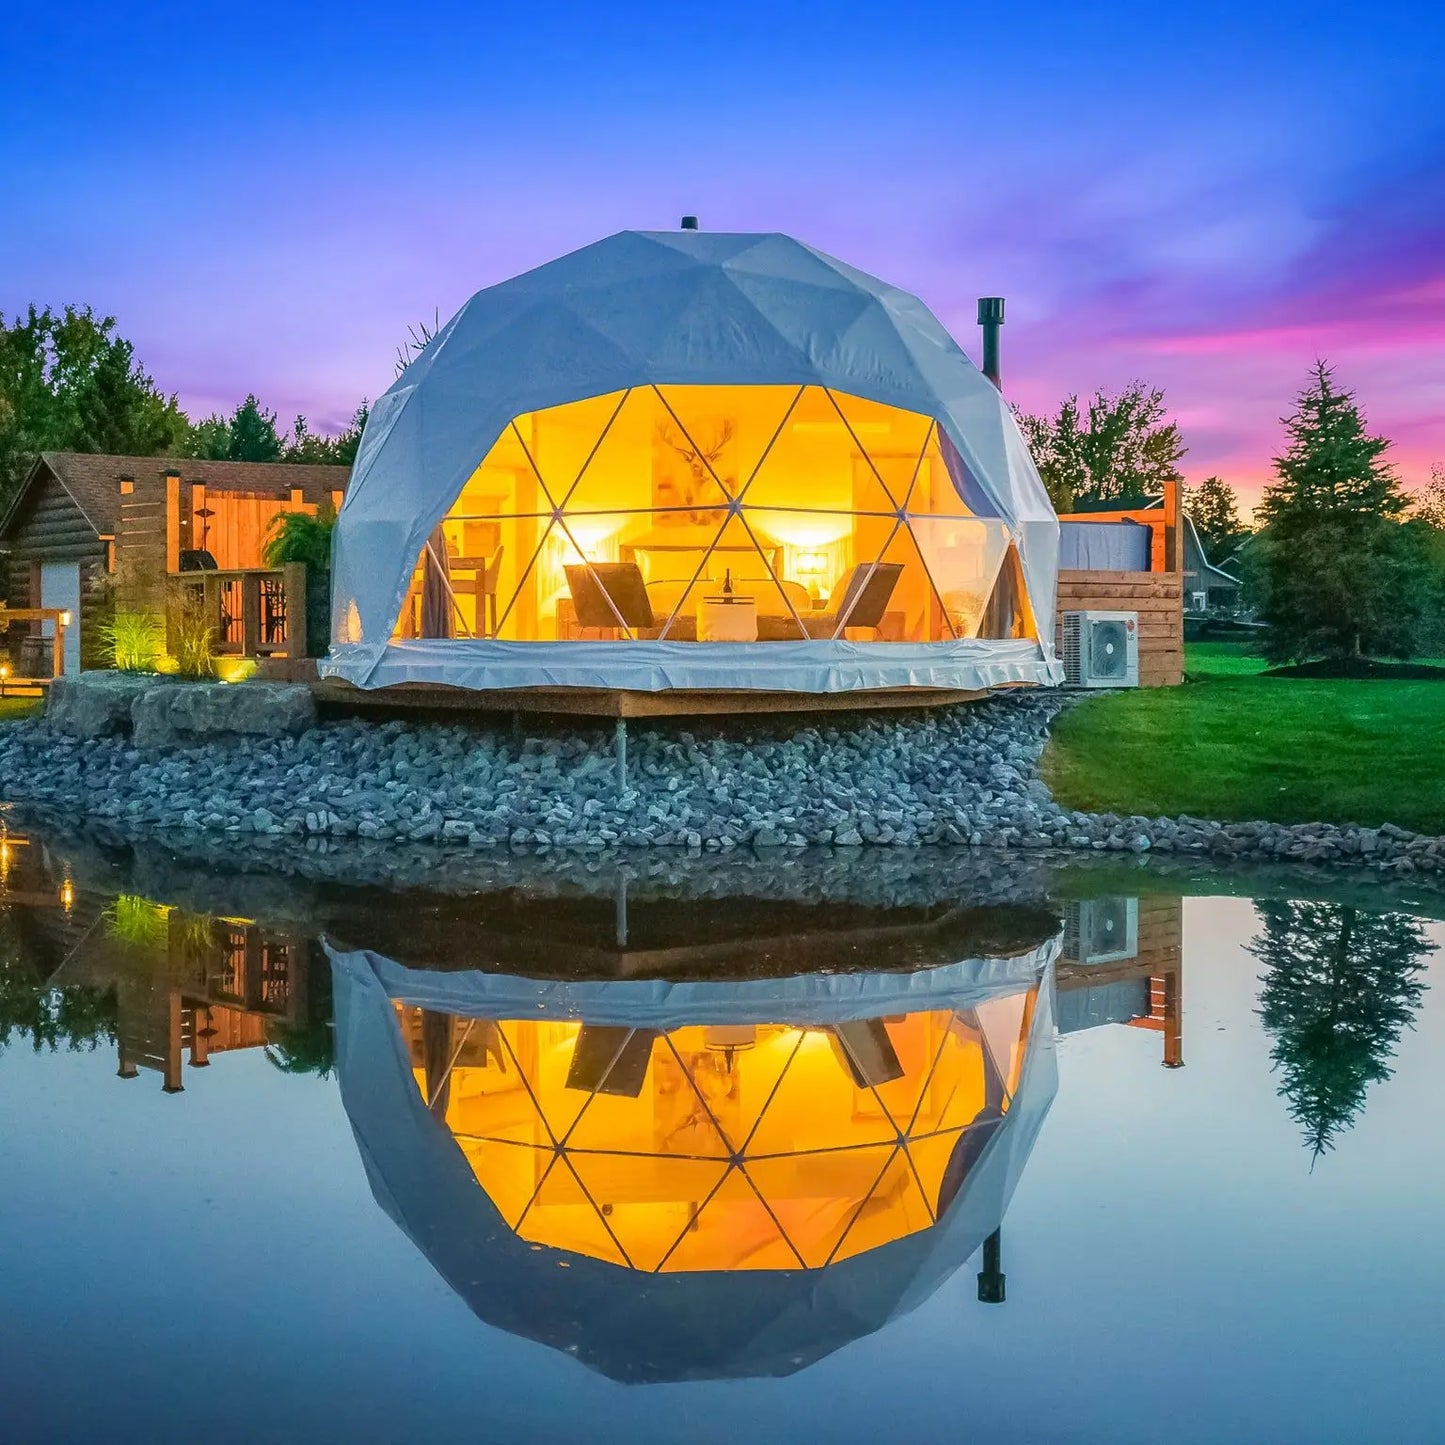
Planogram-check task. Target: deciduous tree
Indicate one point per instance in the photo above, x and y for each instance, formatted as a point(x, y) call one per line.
point(69, 382)
point(1116, 452)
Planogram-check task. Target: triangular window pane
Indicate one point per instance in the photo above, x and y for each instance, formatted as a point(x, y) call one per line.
point(565, 1216)
point(913, 611)
point(717, 434)
point(899, 1058)
point(814, 463)
point(818, 1104)
point(647, 1200)
point(734, 1230)
point(591, 455)
point(815, 1197)
point(894, 1207)
point(1002, 1022)
point(962, 556)
point(509, 1173)
point(1008, 613)
point(934, 491)
point(891, 439)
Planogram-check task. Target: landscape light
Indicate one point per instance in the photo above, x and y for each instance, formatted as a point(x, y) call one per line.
point(65, 618)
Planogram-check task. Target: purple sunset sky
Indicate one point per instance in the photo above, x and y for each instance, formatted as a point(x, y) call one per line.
point(1201, 198)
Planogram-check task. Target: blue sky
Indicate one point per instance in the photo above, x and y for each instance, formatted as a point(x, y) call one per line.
point(1206, 197)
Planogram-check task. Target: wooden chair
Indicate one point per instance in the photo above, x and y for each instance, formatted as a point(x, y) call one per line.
point(482, 585)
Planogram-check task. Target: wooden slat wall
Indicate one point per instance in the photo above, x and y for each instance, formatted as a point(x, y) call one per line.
point(1158, 598)
point(141, 544)
point(53, 529)
point(1161, 948)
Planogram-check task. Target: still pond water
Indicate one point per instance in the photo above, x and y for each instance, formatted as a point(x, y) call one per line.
point(1103, 1162)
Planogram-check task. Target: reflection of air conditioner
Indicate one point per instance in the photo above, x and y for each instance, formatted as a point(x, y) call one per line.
point(1101, 649)
point(1102, 930)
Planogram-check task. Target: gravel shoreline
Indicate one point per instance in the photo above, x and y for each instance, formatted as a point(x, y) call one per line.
point(966, 776)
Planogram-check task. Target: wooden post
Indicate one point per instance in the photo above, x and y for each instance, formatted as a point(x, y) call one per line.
point(201, 1032)
point(173, 1084)
point(1173, 527)
point(211, 606)
point(250, 614)
point(173, 520)
point(294, 583)
point(57, 650)
point(1173, 1020)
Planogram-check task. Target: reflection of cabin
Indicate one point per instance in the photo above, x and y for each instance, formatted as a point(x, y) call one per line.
point(223, 985)
point(1123, 963)
point(183, 983)
point(77, 517)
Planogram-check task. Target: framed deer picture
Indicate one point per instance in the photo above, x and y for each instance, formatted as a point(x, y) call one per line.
point(693, 474)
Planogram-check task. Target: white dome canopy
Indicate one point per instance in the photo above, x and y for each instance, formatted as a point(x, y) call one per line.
point(657, 309)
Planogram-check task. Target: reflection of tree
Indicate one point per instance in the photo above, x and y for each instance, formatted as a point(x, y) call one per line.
point(306, 1048)
point(1341, 986)
point(73, 1016)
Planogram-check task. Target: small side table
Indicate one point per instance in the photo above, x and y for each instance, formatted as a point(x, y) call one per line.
point(727, 619)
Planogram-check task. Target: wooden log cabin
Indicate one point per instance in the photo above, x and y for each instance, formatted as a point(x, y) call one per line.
point(78, 516)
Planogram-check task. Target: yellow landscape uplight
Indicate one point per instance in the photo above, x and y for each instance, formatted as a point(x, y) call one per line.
point(732, 1147)
point(234, 669)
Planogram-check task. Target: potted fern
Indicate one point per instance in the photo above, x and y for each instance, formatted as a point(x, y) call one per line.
point(306, 537)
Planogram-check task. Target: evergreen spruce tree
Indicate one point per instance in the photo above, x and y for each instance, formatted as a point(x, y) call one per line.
point(1341, 986)
point(1340, 576)
point(249, 434)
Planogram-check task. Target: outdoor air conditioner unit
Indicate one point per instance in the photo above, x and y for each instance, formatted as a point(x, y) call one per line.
point(1101, 930)
point(1101, 649)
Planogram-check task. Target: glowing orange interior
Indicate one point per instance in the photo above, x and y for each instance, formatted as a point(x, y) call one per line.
point(755, 1146)
point(779, 493)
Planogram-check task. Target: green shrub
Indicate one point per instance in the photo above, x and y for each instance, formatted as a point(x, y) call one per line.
point(133, 641)
point(300, 537)
point(193, 636)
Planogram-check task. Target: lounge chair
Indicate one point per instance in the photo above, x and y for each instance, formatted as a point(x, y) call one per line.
point(609, 594)
point(861, 598)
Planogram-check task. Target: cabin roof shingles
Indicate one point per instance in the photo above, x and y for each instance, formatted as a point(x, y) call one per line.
point(93, 480)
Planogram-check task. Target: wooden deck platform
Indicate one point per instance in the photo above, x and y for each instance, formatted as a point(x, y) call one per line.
point(618, 703)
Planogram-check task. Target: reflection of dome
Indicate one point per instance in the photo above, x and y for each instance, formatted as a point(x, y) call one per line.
point(736, 1178)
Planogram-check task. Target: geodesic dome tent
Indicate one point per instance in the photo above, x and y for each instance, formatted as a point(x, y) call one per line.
point(671, 439)
point(696, 1180)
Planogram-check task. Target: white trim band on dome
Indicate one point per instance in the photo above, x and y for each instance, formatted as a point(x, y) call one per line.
point(967, 665)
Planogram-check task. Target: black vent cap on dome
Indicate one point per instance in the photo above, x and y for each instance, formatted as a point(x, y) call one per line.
point(689, 223)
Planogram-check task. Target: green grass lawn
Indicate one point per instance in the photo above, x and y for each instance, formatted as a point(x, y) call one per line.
point(14, 707)
point(1232, 745)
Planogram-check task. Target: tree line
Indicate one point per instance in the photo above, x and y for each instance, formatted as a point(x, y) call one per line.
point(1340, 562)
point(70, 382)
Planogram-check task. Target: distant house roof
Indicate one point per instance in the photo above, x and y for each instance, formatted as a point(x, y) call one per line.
point(93, 480)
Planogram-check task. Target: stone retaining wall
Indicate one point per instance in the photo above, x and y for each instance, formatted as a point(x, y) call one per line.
point(246, 761)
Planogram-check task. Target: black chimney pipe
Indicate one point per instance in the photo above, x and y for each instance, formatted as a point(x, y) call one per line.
point(689, 223)
point(990, 317)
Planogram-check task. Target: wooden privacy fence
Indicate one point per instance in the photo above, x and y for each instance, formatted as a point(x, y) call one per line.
point(253, 611)
point(1156, 595)
point(1158, 598)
